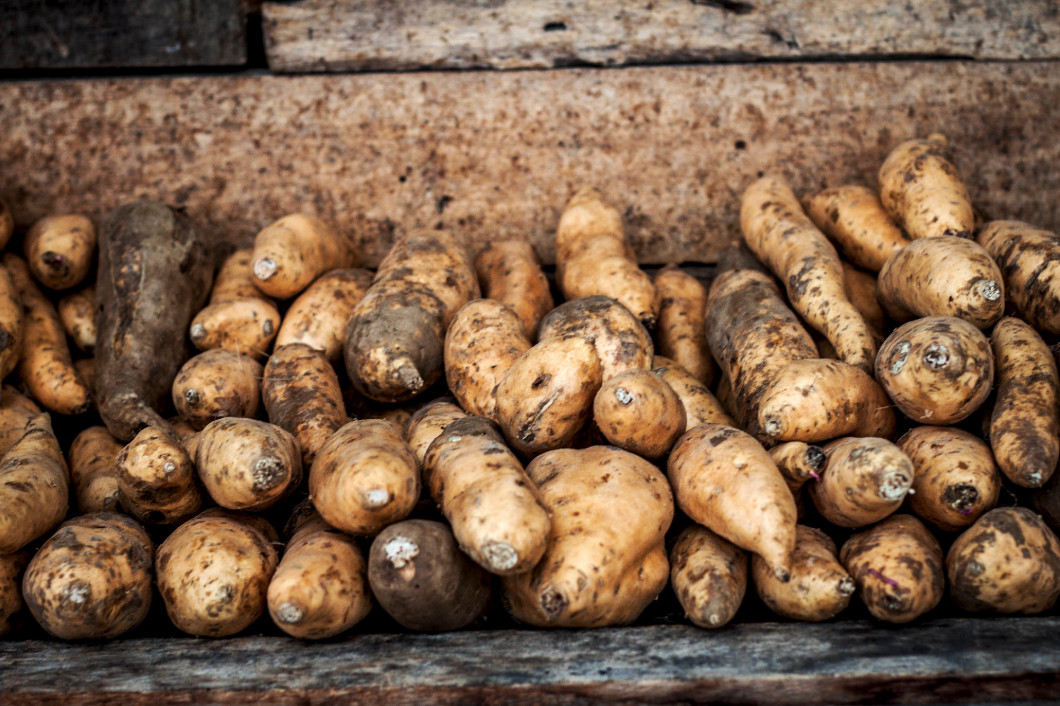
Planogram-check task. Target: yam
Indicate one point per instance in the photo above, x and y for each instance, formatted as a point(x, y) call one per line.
point(853, 217)
point(302, 396)
point(215, 384)
point(681, 302)
point(156, 478)
point(819, 589)
point(709, 576)
point(509, 272)
point(60, 250)
point(293, 251)
point(34, 486)
point(621, 342)
point(93, 458)
point(1029, 260)
point(246, 464)
point(637, 411)
point(864, 481)
point(77, 312)
point(922, 191)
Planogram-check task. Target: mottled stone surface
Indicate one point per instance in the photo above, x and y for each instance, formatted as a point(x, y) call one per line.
point(496, 154)
point(343, 35)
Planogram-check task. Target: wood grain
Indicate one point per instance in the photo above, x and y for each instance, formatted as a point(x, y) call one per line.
point(942, 660)
point(339, 35)
point(497, 154)
point(73, 34)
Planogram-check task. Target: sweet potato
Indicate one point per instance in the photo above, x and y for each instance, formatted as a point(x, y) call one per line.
point(819, 589)
point(395, 336)
point(481, 345)
point(955, 477)
point(509, 272)
point(60, 250)
point(93, 460)
point(428, 422)
point(318, 316)
point(295, 250)
point(213, 573)
point(156, 478)
point(861, 289)
point(594, 258)
point(637, 411)
point(422, 580)
point(547, 395)
point(1007, 562)
point(155, 270)
point(943, 277)
point(798, 462)
point(922, 191)
point(699, 403)
point(864, 481)
point(724, 480)
point(320, 588)
point(680, 334)
point(12, 567)
point(497, 514)
point(77, 312)
point(937, 370)
point(238, 318)
point(1029, 260)
point(302, 395)
point(45, 363)
point(782, 236)
point(215, 384)
point(853, 217)
point(606, 559)
point(621, 342)
point(364, 477)
point(897, 566)
point(16, 410)
point(12, 323)
point(34, 486)
point(92, 578)
point(709, 576)
point(1025, 422)
point(246, 464)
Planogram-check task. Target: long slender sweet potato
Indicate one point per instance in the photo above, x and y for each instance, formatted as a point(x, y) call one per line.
point(854, 218)
point(780, 233)
point(295, 250)
point(681, 302)
point(93, 460)
point(302, 395)
point(1029, 259)
point(154, 274)
point(922, 191)
point(34, 486)
point(861, 288)
point(509, 271)
point(319, 315)
point(709, 575)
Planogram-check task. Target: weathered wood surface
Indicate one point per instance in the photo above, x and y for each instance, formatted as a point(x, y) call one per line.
point(497, 154)
point(944, 660)
point(69, 34)
point(339, 35)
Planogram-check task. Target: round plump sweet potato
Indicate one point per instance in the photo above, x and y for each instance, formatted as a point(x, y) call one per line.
point(509, 272)
point(865, 480)
point(681, 302)
point(92, 578)
point(302, 395)
point(621, 342)
point(819, 589)
point(156, 478)
point(637, 411)
point(215, 384)
point(60, 250)
point(246, 464)
point(318, 316)
point(709, 576)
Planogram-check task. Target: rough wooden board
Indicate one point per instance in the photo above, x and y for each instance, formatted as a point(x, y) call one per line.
point(496, 154)
point(66, 34)
point(943, 660)
point(339, 35)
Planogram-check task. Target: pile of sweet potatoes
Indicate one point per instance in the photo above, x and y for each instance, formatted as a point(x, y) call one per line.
point(856, 412)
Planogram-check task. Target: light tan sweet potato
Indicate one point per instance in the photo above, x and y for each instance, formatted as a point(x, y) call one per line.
point(318, 316)
point(295, 250)
point(60, 250)
point(897, 565)
point(422, 580)
point(681, 302)
point(1025, 422)
point(547, 395)
point(853, 217)
point(699, 403)
point(12, 322)
point(45, 363)
point(93, 460)
point(156, 479)
point(724, 480)
point(955, 477)
point(427, 423)
point(922, 191)
point(637, 411)
point(213, 573)
point(215, 384)
point(606, 559)
point(496, 512)
point(34, 486)
point(709, 576)
point(320, 588)
point(246, 464)
point(15, 412)
point(594, 258)
point(861, 287)
point(364, 477)
point(798, 462)
point(782, 236)
point(937, 370)
point(819, 589)
point(92, 579)
point(12, 567)
point(1029, 260)
point(481, 345)
point(394, 340)
point(77, 312)
point(1007, 562)
point(865, 480)
point(943, 276)
point(621, 342)
point(239, 317)
point(509, 271)
point(302, 395)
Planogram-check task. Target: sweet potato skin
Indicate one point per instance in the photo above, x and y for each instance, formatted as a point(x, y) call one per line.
point(864, 481)
point(60, 250)
point(709, 575)
point(246, 464)
point(15, 412)
point(819, 589)
point(922, 191)
point(12, 567)
point(217, 383)
point(154, 274)
point(12, 323)
point(637, 411)
point(509, 272)
point(93, 457)
point(295, 250)
point(34, 486)
point(302, 396)
point(77, 312)
point(698, 401)
point(853, 217)
point(680, 333)
point(426, 423)
point(156, 478)
point(621, 341)
point(1029, 260)
point(318, 316)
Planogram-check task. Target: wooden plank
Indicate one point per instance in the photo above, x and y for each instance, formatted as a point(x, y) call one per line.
point(941, 660)
point(497, 154)
point(339, 35)
point(72, 34)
